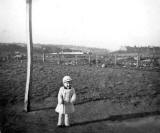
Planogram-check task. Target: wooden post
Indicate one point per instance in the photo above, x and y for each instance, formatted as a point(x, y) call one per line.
point(115, 60)
point(43, 57)
point(76, 59)
point(96, 61)
point(89, 59)
point(43, 54)
point(58, 58)
point(29, 55)
point(138, 58)
point(137, 65)
point(61, 57)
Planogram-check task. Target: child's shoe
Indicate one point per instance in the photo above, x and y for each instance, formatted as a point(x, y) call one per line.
point(59, 125)
point(67, 125)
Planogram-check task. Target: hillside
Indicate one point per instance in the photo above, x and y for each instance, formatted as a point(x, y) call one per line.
point(147, 51)
point(11, 48)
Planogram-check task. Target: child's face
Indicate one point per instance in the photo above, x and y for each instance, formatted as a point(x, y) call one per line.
point(67, 84)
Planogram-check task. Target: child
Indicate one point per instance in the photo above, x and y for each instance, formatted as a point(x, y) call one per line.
point(66, 98)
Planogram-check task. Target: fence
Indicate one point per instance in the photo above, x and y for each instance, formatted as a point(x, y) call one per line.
point(122, 60)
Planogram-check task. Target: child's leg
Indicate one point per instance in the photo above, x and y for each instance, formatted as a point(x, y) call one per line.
point(66, 120)
point(59, 119)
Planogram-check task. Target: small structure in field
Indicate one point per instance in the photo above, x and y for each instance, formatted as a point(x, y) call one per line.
point(19, 56)
point(69, 58)
point(68, 53)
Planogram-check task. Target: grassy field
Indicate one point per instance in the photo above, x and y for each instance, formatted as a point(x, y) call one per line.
point(101, 92)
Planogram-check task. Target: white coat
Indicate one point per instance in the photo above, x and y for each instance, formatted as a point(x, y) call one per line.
point(66, 99)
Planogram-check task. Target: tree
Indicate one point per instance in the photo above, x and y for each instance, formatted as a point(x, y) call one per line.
point(29, 55)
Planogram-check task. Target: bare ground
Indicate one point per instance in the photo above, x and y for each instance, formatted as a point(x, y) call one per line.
point(91, 117)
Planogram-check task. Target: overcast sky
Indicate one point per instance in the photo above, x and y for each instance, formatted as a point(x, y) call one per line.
point(97, 23)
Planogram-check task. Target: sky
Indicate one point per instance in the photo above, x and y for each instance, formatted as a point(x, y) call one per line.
point(108, 24)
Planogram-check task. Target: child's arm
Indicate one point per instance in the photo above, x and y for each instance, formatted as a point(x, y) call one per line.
point(73, 98)
point(60, 97)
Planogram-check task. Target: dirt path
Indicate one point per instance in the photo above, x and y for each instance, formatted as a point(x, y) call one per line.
point(91, 117)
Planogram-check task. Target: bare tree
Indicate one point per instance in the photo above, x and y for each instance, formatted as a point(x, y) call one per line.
point(29, 55)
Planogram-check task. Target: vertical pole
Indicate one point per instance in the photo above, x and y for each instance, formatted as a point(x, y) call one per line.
point(89, 59)
point(58, 60)
point(62, 57)
point(43, 54)
point(115, 60)
point(96, 61)
point(138, 58)
point(137, 61)
point(29, 55)
point(76, 59)
point(43, 57)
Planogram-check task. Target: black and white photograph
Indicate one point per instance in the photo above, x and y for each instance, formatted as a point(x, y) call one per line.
point(79, 66)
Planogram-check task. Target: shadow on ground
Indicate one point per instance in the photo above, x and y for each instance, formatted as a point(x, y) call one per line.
point(110, 118)
point(120, 117)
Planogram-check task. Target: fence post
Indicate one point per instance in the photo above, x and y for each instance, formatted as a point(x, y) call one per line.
point(115, 59)
point(89, 59)
point(76, 59)
point(43, 57)
point(96, 61)
point(137, 65)
point(43, 54)
point(58, 59)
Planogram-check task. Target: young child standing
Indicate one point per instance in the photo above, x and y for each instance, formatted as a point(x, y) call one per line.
point(66, 99)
